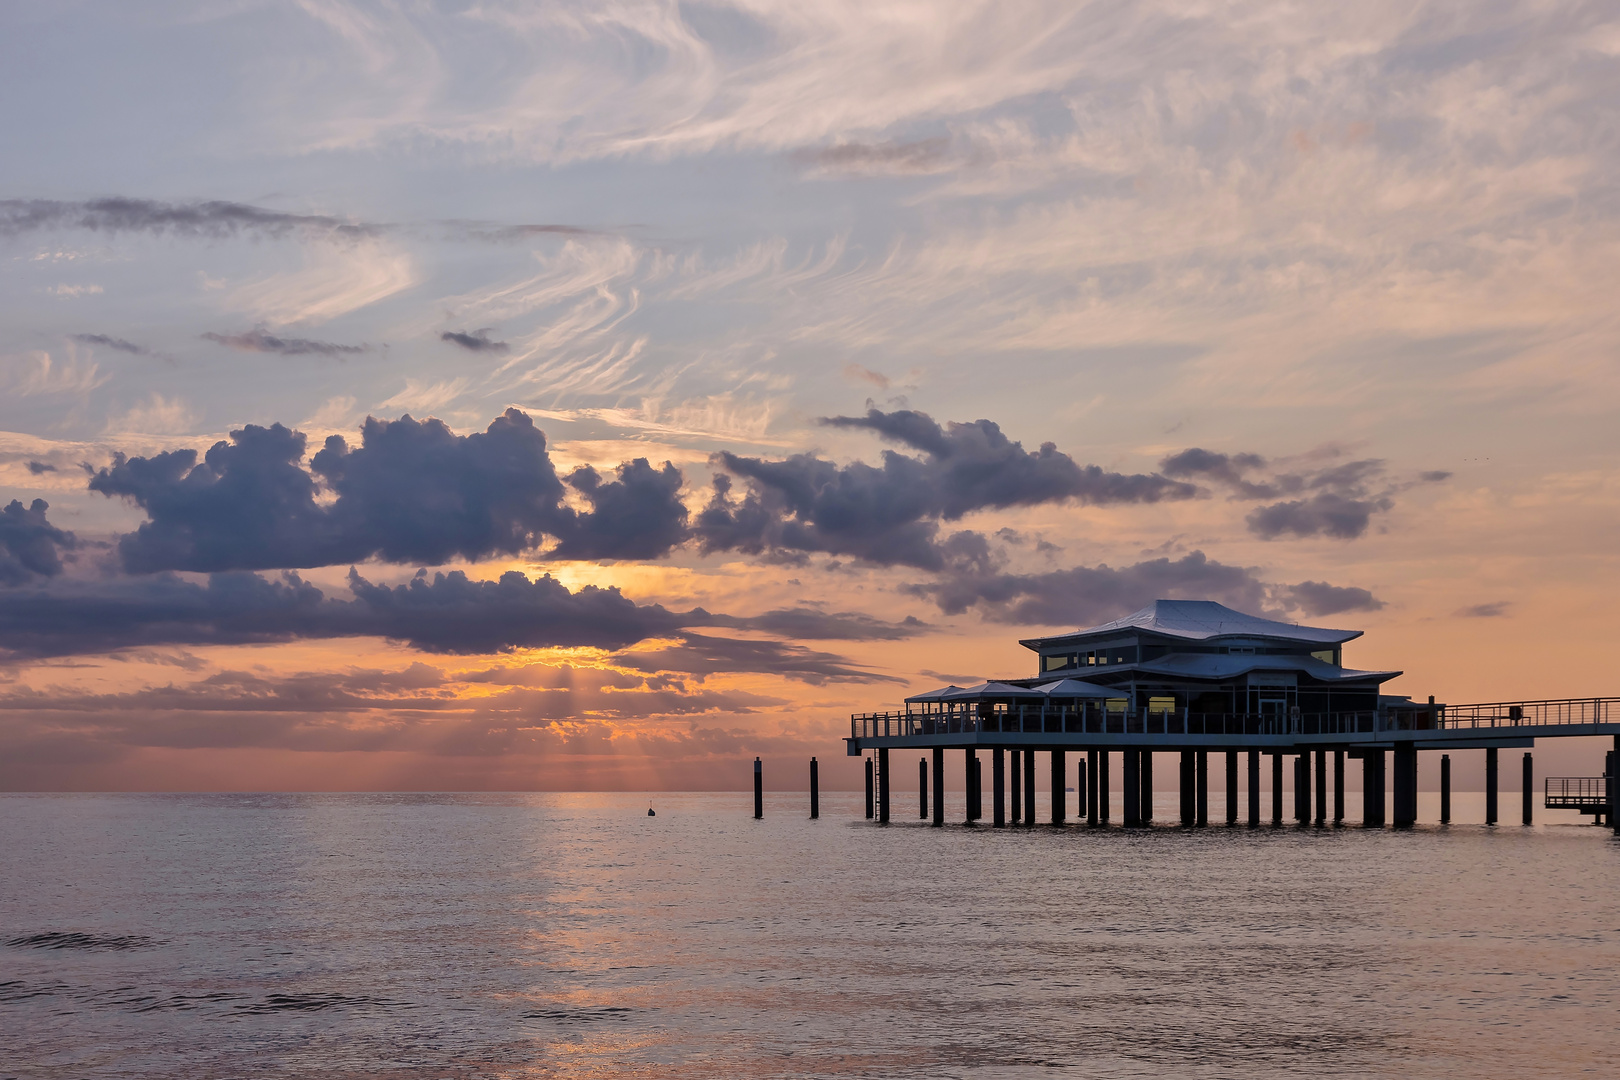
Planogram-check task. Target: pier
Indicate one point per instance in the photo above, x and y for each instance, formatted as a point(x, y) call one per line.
point(1197, 679)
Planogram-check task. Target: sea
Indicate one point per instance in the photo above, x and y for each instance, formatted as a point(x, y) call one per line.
point(536, 935)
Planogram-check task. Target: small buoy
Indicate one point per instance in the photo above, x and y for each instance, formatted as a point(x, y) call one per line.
point(650, 812)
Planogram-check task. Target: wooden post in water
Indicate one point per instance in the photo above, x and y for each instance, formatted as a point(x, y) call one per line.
point(1338, 787)
point(1081, 788)
point(1254, 789)
point(1201, 794)
point(1029, 789)
point(869, 799)
point(1276, 788)
point(1490, 785)
point(1145, 814)
point(759, 790)
point(1102, 786)
point(970, 784)
point(815, 789)
point(998, 785)
point(1321, 787)
point(1017, 764)
point(1133, 787)
point(1098, 787)
point(1231, 787)
point(939, 785)
point(1060, 780)
point(883, 785)
point(1529, 788)
point(1186, 786)
point(1445, 789)
point(922, 788)
point(1405, 784)
point(1302, 788)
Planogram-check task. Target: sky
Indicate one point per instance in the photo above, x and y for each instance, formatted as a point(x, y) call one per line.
point(566, 396)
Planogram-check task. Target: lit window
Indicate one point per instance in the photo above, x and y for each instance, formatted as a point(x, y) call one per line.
point(1326, 656)
point(1158, 705)
point(1054, 663)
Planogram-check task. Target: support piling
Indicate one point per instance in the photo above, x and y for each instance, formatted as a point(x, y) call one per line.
point(1231, 787)
point(815, 789)
point(1133, 787)
point(1060, 780)
point(1254, 789)
point(1405, 785)
point(1102, 786)
point(1145, 812)
point(1201, 789)
point(922, 788)
point(883, 785)
point(1321, 788)
point(759, 790)
point(1338, 787)
point(1529, 789)
point(938, 771)
point(1445, 789)
point(1276, 789)
point(1017, 764)
point(998, 785)
point(1098, 788)
point(1490, 785)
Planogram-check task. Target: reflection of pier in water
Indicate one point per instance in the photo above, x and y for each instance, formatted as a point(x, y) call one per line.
point(1194, 677)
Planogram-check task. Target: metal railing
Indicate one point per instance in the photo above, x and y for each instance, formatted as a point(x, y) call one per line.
point(1557, 711)
point(1577, 791)
point(1100, 722)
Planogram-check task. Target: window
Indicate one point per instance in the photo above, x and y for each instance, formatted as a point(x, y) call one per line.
point(1327, 656)
point(1115, 704)
point(1058, 663)
point(1157, 705)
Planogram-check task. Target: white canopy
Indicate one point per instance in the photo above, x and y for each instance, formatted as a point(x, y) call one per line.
point(1074, 688)
point(981, 692)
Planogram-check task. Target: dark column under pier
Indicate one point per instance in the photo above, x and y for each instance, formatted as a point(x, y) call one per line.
point(883, 785)
point(1102, 786)
point(998, 785)
point(1017, 765)
point(1614, 786)
point(1186, 787)
point(1231, 787)
point(1321, 787)
point(1372, 789)
point(970, 785)
point(1276, 789)
point(1490, 785)
point(922, 788)
point(815, 789)
point(1145, 812)
point(869, 799)
point(1098, 785)
point(939, 785)
point(1029, 788)
point(759, 791)
point(1445, 789)
point(1060, 780)
point(1201, 789)
point(1338, 787)
point(1302, 788)
point(1081, 788)
point(1529, 788)
point(1133, 787)
point(1405, 785)
point(1254, 788)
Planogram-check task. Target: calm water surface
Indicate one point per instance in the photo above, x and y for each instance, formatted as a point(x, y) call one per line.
point(534, 935)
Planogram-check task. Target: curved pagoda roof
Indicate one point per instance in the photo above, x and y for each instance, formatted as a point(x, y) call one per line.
point(1201, 620)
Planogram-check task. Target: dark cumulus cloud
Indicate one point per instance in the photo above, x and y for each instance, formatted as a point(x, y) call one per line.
point(412, 491)
point(40, 468)
point(211, 220)
point(30, 546)
point(1337, 501)
point(1086, 595)
point(890, 514)
point(116, 344)
point(447, 613)
point(1493, 610)
point(474, 340)
point(259, 340)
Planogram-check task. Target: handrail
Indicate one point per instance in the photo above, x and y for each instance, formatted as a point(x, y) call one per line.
point(1577, 790)
point(1101, 721)
point(1545, 713)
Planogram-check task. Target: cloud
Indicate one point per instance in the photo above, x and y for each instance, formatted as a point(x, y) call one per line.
point(118, 344)
point(37, 373)
point(856, 372)
point(703, 655)
point(890, 515)
point(809, 624)
point(40, 468)
point(73, 292)
point(259, 340)
point(212, 220)
point(1319, 598)
point(157, 415)
point(474, 341)
point(1493, 610)
point(412, 491)
point(1086, 595)
point(30, 546)
point(1338, 501)
point(920, 156)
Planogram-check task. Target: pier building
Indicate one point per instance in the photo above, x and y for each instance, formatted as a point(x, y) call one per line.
point(1193, 677)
